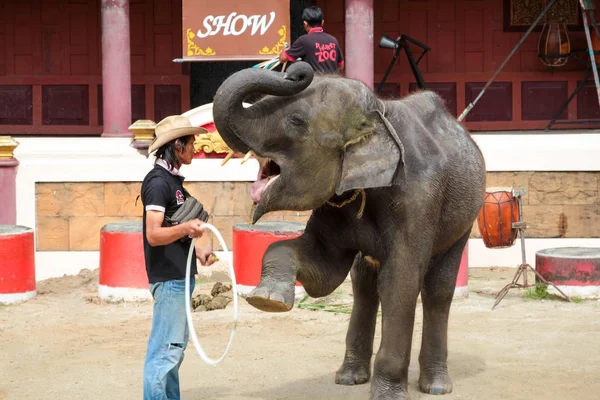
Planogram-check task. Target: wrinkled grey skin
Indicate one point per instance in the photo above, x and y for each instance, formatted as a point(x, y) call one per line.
point(422, 196)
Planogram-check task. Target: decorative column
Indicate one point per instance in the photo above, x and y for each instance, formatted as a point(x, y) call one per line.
point(116, 68)
point(8, 175)
point(359, 41)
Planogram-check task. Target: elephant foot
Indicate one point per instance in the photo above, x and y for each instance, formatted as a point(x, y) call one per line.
point(382, 389)
point(435, 383)
point(389, 395)
point(353, 374)
point(272, 297)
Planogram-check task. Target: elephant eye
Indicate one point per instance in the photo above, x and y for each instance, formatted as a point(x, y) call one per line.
point(296, 121)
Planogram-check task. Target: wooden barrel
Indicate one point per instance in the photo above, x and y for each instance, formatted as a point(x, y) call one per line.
point(17, 264)
point(122, 275)
point(250, 242)
point(500, 209)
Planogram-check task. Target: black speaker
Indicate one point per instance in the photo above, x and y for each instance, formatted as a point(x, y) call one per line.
point(387, 42)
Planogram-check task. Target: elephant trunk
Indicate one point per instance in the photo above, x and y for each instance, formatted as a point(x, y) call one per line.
point(233, 121)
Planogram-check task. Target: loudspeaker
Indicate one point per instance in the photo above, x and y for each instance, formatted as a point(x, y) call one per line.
point(387, 42)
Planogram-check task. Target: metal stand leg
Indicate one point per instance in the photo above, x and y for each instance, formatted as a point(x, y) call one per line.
point(587, 5)
point(524, 267)
point(571, 97)
point(415, 68)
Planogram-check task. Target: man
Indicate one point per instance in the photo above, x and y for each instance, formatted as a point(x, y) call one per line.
point(166, 249)
point(317, 48)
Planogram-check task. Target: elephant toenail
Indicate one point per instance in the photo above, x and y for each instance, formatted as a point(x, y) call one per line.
point(277, 297)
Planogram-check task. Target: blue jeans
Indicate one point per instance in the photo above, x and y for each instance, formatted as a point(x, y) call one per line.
point(167, 342)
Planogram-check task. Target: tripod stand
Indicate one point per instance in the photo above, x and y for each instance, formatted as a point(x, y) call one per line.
point(524, 267)
point(398, 45)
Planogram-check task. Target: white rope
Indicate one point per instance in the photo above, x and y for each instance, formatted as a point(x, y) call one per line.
point(188, 307)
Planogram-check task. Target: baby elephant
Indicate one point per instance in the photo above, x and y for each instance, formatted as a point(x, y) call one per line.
point(398, 182)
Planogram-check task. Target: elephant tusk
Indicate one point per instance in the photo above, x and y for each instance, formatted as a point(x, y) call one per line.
point(247, 156)
point(227, 158)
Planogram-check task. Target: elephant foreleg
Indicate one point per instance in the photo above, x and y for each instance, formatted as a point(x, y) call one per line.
point(437, 293)
point(320, 269)
point(356, 368)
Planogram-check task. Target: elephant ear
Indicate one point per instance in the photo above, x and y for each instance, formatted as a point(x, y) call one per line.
point(372, 155)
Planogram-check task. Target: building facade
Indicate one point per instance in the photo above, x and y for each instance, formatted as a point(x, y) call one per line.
point(64, 77)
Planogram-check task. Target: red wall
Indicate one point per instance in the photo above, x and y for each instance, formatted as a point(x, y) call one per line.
point(50, 65)
point(468, 44)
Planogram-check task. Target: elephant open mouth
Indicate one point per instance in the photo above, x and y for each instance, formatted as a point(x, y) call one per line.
point(268, 173)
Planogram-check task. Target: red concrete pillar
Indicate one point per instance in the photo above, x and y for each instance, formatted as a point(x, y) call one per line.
point(116, 68)
point(122, 268)
point(250, 242)
point(8, 175)
point(359, 41)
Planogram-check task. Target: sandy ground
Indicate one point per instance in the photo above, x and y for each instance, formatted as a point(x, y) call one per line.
point(65, 345)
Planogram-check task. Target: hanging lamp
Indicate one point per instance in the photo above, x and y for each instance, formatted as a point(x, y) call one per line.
point(554, 46)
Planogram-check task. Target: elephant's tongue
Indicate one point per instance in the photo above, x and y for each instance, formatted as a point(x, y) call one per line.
point(259, 187)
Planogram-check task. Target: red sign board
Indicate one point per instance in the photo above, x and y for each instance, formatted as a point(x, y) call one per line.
point(234, 30)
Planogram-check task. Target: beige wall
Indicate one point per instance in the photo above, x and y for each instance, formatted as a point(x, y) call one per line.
point(556, 204)
point(69, 215)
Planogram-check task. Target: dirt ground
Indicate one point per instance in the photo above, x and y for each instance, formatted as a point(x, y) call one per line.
point(64, 344)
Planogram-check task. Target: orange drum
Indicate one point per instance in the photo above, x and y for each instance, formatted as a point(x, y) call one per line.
point(500, 209)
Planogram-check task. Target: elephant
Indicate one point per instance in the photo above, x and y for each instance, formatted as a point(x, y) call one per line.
point(394, 187)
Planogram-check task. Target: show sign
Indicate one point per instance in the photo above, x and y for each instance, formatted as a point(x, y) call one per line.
point(234, 30)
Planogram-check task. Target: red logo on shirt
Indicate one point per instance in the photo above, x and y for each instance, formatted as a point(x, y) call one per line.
point(326, 52)
point(179, 197)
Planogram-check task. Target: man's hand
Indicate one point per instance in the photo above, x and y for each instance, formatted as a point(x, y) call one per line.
point(192, 228)
point(282, 57)
point(158, 235)
point(206, 257)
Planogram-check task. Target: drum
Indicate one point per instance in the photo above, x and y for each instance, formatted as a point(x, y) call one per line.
point(500, 209)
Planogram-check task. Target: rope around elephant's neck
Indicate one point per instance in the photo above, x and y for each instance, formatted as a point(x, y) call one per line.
point(351, 199)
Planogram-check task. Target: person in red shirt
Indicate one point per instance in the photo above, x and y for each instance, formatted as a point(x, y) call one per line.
point(319, 49)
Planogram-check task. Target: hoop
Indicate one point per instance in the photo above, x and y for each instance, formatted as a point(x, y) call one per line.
point(188, 308)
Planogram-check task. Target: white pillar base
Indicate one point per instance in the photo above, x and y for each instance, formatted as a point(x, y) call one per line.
point(461, 292)
point(118, 294)
point(585, 292)
point(12, 298)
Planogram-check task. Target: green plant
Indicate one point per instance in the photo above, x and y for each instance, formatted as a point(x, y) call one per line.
point(537, 292)
point(540, 292)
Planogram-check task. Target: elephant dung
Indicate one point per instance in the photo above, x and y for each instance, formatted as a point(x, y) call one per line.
point(219, 288)
point(217, 303)
point(200, 300)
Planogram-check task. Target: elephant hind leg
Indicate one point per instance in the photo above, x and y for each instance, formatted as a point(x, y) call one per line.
point(356, 368)
point(437, 292)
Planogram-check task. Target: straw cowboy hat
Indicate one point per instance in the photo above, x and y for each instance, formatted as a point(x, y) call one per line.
point(171, 128)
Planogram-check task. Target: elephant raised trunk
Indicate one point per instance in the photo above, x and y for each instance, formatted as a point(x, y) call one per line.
point(233, 121)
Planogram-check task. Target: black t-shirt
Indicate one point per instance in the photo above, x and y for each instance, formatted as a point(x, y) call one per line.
point(163, 191)
point(319, 49)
